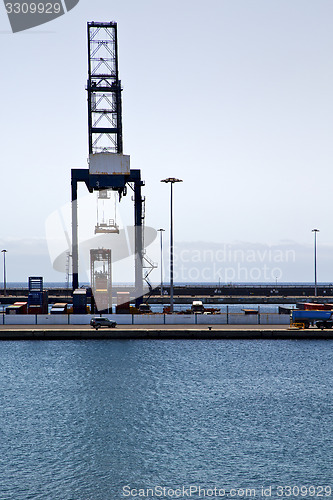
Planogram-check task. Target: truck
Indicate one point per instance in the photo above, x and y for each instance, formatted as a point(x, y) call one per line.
point(304, 319)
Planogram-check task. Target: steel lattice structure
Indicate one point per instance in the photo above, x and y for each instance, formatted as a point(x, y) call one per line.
point(104, 89)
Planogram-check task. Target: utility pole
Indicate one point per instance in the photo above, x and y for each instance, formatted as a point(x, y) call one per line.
point(4, 271)
point(315, 231)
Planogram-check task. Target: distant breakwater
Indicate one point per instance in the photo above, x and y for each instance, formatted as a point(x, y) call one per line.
point(218, 293)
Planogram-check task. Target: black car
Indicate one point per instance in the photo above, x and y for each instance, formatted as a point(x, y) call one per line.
point(99, 322)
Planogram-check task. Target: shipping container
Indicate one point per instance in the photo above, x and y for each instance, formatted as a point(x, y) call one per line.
point(123, 310)
point(103, 301)
point(35, 309)
point(311, 315)
point(14, 309)
point(23, 307)
point(59, 308)
point(35, 283)
point(309, 306)
point(123, 298)
point(80, 301)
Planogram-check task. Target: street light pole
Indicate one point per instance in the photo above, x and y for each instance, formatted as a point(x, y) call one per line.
point(172, 181)
point(161, 233)
point(315, 231)
point(4, 271)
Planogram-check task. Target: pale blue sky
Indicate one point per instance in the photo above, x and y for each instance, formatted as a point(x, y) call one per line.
point(232, 96)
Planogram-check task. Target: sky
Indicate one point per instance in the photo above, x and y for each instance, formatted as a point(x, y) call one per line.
point(232, 96)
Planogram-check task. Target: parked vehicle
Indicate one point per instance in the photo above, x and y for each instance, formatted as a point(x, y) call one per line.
point(305, 318)
point(144, 308)
point(197, 307)
point(99, 322)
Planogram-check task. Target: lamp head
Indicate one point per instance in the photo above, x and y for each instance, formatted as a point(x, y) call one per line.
point(172, 180)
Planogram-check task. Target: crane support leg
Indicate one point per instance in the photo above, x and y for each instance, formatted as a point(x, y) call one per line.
point(77, 175)
point(138, 241)
point(75, 253)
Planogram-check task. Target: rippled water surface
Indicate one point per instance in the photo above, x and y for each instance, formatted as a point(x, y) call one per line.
point(83, 419)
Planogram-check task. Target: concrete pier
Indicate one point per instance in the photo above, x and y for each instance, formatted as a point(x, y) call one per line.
point(178, 332)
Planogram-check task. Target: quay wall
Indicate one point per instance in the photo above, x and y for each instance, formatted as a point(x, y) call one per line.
point(165, 334)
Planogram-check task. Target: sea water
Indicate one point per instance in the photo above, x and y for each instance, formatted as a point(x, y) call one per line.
point(100, 420)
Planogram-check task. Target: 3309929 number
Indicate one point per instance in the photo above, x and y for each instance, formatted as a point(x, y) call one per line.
point(304, 491)
point(33, 8)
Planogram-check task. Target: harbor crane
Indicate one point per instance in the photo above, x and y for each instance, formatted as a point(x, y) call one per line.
point(109, 168)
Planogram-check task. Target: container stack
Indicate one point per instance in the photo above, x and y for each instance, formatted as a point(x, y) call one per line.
point(17, 308)
point(37, 298)
point(123, 303)
point(80, 301)
point(59, 308)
